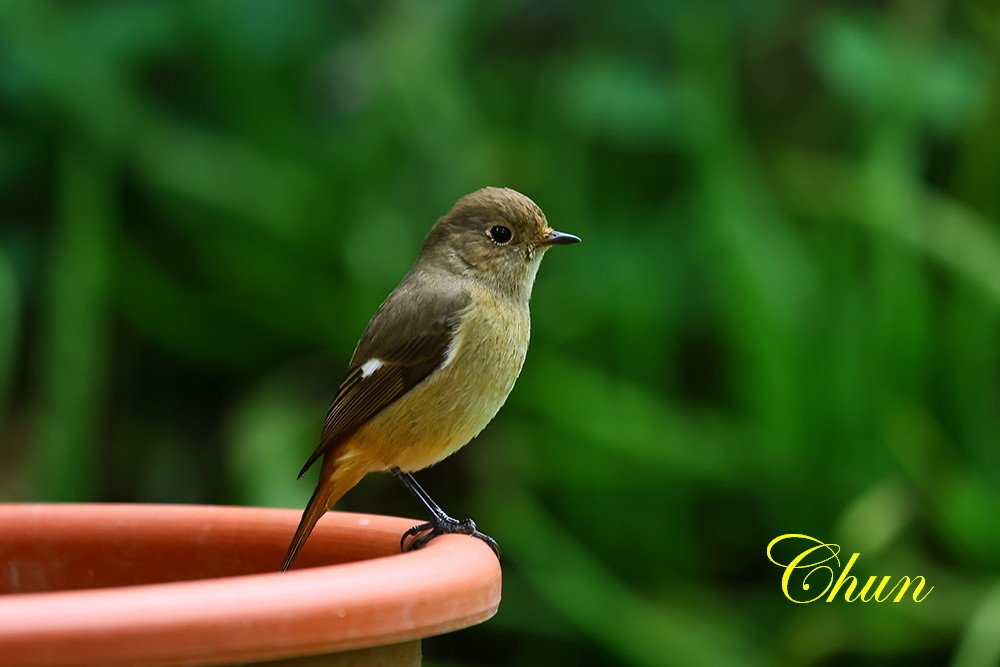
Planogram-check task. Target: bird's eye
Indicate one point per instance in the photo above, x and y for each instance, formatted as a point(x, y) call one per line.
point(499, 234)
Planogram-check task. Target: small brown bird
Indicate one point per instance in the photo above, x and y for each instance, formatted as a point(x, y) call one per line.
point(437, 360)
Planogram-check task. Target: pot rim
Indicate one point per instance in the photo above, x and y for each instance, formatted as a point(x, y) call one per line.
point(452, 583)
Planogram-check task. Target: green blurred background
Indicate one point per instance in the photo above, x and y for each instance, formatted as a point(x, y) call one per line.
point(785, 316)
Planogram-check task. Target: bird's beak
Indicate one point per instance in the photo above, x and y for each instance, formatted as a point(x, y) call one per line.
point(559, 238)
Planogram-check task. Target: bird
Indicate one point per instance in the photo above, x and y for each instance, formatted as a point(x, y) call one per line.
point(437, 359)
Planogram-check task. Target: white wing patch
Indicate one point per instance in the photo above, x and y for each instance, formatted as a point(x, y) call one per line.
point(453, 344)
point(370, 366)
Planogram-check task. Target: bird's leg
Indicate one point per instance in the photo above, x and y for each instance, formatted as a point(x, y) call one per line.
point(439, 524)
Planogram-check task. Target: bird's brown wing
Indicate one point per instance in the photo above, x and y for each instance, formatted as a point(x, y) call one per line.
point(410, 337)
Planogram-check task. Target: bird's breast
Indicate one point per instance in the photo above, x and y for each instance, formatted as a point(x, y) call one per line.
point(455, 403)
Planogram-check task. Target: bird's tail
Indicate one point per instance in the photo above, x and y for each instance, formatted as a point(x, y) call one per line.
point(336, 479)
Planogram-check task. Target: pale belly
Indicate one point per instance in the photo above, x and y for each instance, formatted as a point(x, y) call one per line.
point(455, 403)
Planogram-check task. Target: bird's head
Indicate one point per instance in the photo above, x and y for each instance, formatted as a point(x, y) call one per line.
point(496, 235)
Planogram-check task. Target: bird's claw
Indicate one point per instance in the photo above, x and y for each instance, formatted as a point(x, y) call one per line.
point(423, 533)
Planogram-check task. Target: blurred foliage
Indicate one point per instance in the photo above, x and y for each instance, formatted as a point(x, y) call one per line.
point(785, 316)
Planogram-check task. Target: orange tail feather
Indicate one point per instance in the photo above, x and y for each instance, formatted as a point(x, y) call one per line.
point(333, 483)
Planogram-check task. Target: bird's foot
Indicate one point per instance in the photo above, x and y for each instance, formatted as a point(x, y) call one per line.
point(423, 533)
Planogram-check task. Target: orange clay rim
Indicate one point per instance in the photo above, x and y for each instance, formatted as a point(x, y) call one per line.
point(376, 599)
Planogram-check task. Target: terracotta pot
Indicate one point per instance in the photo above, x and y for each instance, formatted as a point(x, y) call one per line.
point(188, 585)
